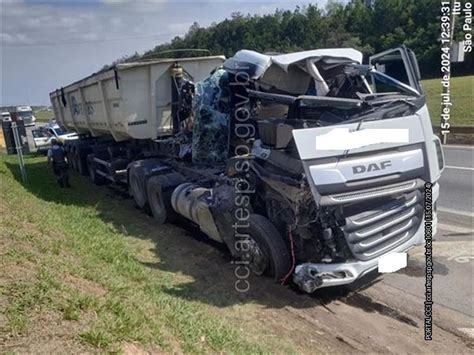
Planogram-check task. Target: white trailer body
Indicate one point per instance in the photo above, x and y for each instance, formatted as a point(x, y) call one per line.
point(130, 101)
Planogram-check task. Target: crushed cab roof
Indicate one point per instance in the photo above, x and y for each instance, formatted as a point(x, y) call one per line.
point(263, 61)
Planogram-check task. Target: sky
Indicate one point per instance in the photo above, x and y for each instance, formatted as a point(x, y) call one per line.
point(49, 44)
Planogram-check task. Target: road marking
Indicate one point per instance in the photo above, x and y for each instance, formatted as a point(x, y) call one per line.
point(458, 167)
point(467, 331)
point(453, 146)
point(453, 211)
point(451, 228)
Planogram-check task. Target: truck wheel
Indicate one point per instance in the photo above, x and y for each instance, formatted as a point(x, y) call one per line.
point(137, 189)
point(159, 200)
point(268, 254)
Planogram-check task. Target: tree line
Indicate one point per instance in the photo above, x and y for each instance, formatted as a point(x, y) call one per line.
point(368, 25)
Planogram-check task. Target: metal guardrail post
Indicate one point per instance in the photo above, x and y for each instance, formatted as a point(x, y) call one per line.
point(445, 138)
point(19, 152)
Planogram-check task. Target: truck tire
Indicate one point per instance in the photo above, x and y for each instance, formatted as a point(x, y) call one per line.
point(159, 200)
point(268, 253)
point(139, 172)
point(137, 189)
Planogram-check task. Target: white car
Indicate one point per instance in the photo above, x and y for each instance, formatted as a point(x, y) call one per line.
point(43, 136)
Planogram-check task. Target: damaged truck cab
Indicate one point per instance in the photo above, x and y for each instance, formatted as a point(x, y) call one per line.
point(308, 166)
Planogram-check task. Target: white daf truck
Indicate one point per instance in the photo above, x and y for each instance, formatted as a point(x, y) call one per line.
point(308, 166)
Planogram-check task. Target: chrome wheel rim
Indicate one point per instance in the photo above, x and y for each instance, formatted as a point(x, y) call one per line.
point(258, 262)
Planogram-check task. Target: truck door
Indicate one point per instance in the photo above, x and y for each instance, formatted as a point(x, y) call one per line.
point(399, 63)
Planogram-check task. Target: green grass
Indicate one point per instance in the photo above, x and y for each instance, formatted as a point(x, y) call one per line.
point(64, 254)
point(461, 96)
point(44, 116)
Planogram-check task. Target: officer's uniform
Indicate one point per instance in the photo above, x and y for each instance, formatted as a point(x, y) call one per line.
point(57, 155)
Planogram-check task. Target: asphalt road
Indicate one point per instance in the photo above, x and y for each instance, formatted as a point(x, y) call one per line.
point(453, 249)
point(456, 184)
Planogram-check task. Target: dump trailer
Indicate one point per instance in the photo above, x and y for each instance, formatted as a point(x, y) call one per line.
point(310, 167)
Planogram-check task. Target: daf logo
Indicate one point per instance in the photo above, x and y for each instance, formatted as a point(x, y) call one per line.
point(359, 169)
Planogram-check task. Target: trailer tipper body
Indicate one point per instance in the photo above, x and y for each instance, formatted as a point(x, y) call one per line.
point(130, 101)
point(308, 166)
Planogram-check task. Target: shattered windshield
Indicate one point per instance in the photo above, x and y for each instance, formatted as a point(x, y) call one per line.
point(212, 119)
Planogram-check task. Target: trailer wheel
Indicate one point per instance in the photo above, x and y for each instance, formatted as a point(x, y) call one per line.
point(159, 200)
point(268, 254)
point(137, 189)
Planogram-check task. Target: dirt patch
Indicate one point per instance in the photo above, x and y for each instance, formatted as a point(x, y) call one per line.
point(136, 349)
point(369, 305)
point(83, 285)
point(49, 334)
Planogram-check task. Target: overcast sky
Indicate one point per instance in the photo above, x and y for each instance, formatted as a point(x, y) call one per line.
point(48, 44)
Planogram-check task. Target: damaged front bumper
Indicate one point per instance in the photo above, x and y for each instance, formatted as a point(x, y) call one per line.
point(311, 276)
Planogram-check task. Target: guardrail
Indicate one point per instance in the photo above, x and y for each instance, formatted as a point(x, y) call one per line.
point(457, 134)
point(457, 129)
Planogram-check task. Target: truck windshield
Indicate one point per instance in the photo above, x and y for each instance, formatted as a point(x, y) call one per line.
point(25, 114)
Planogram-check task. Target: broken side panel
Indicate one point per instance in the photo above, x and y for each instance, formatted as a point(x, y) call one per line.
point(212, 119)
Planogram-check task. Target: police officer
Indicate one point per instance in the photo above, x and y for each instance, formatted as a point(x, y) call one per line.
point(57, 156)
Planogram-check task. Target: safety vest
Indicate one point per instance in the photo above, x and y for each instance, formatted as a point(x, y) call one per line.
point(57, 154)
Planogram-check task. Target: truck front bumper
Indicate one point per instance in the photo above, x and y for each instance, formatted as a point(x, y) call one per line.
point(311, 276)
